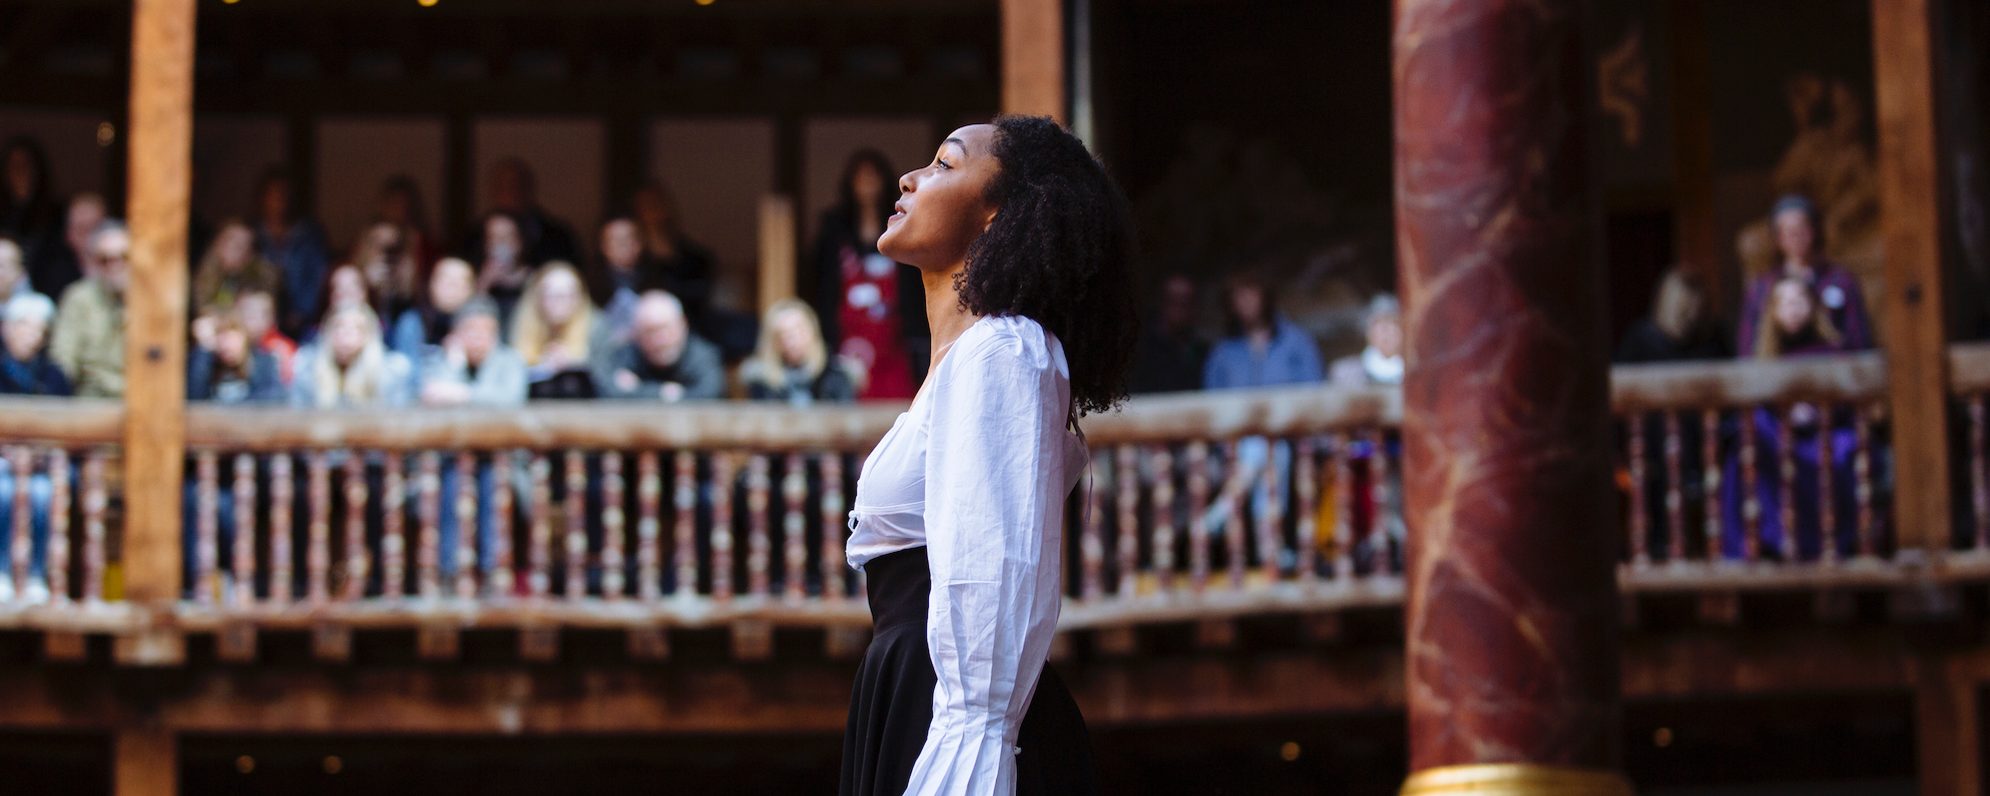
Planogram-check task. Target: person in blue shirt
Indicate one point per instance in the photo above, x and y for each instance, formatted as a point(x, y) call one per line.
point(1262, 348)
point(25, 369)
point(296, 244)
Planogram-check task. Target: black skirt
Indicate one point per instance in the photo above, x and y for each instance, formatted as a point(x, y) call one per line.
point(892, 706)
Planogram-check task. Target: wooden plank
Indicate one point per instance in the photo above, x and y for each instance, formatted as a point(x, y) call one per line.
point(778, 250)
point(1033, 58)
point(146, 758)
point(161, 183)
point(1913, 316)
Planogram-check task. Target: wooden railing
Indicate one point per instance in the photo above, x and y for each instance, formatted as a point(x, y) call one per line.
point(1196, 506)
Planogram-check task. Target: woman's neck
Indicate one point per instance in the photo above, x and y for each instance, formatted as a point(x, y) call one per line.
point(944, 313)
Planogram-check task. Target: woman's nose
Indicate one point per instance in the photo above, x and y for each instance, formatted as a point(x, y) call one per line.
point(905, 182)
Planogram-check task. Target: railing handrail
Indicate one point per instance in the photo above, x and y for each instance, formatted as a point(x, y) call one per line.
point(61, 421)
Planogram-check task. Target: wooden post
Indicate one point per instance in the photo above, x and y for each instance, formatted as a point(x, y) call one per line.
point(145, 760)
point(1912, 312)
point(1947, 737)
point(777, 250)
point(161, 132)
point(1033, 58)
point(1696, 240)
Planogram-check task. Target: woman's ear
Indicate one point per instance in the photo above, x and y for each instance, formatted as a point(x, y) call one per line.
point(990, 220)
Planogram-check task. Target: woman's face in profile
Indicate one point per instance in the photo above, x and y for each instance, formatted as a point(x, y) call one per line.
point(943, 206)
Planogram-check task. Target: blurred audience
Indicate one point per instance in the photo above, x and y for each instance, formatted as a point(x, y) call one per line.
point(233, 370)
point(622, 272)
point(1172, 351)
point(663, 359)
point(1679, 327)
point(401, 207)
point(792, 364)
point(88, 341)
point(451, 282)
point(514, 193)
point(25, 367)
point(348, 367)
point(557, 332)
point(473, 366)
point(391, 269)
point(676, 264)
point(29, 212)
point(232, 267)
point(1799, 230)
point(1381, 360)
point(505, 263)
point(873, 310)
point(296, 244)
point(55, 267)
point(13, 270)
point(1262, 349)
point(255, 310)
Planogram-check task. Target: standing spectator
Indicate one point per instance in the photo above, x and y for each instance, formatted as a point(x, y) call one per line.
point(296, 245)
point(792, 363)
point(1172, 352)
point(505, 262)
point(624, 270)
point(391, 268)
point(232, 267)
point(25, 367)
point(255, 310)
point(663, 358)
point(681, 267)
point(401, 205)
point(557, 331)
point(1263, 349)
point(451, 283)
point(541, 237)
point(233, 370)
point(1679, 327)
point(88, 342)
point(60, 264)
point(1381, 361)
point(1800, 255)
point(13, 270)
point(1795, 323)
point(349, 367)
point(29, 213)
point(472, 368)
point(873, 310)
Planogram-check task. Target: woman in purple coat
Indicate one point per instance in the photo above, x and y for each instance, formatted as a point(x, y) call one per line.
point(1794, 323)
point(1800, 255)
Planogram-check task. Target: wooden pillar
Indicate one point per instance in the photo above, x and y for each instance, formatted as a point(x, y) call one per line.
point(1696, 240)
point(161, 134)
point(145, 761)
point(776, 280)
point(1511, 622)
point(1914, 330)
point(1033, 55)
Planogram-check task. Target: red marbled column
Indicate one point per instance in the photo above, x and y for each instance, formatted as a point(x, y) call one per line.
point(1512, 621)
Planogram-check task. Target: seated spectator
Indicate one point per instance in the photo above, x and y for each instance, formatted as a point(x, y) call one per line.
point(25, 367)
point(1263, 349)
point(1796, 323)
point(349, 367)
point(505, 265)
point(1171, 352)
point(450, 284)
point(792, 363)
point(663, 360)
point(88, 341)
point(1799, 229)
point(344, 285)
point(472, 368)
point(13, 271)
point(390, 267)
point(1381, 361)
point(557, 330)
point(255, 310)
point(233, 370)
point(296, 244)
point(1678, 328)
point(232, 267)
point(623, 272)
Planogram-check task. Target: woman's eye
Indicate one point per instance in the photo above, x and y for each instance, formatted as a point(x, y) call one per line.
point(943, 163)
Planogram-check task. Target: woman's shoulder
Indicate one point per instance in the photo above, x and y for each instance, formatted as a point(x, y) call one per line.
point(1011, 338)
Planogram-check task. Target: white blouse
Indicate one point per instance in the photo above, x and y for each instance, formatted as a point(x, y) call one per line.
point(977, 470)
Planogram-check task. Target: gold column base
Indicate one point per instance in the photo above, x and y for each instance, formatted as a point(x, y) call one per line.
point(1515, 779)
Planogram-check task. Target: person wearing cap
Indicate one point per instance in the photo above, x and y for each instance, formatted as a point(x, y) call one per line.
point(1799, 228)
point(472, 367)
point(1381, 361)
point(25, 367)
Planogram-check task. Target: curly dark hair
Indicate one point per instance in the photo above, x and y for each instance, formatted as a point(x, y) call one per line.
point(1058, 253)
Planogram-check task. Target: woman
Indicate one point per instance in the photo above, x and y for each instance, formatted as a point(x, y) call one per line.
point(1799, 232)
point(676, 263)
point(1680, 328)
point(233, 370)
point(392, 271)
point(450, 284)
point(1021, 242)
point(401, 205)
point(556, 330)
point(872, 309)
point(791, 364)
point(505, 266)
point(1795, 323)
point(255, 310)
point(348, 367)
point(297, 245)
point(231, 268)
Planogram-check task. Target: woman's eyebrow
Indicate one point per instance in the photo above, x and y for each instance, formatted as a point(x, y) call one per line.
point(956, 142)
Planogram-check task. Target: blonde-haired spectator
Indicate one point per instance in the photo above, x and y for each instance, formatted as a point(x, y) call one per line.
point(792, 362)
point(349, 366)
point(557, 331)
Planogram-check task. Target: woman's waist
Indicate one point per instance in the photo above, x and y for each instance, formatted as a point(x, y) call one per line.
point(898, 586)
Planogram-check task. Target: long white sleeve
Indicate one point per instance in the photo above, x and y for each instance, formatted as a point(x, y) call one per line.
point(996, 466)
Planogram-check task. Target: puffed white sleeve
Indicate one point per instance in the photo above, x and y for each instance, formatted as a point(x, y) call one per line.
point(994, 531)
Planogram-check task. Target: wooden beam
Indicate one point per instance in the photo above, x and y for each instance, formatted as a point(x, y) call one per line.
point(146, 758)
point(1911, 308)
point(161, 135)
point(778, 250)
point(1033, 58)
